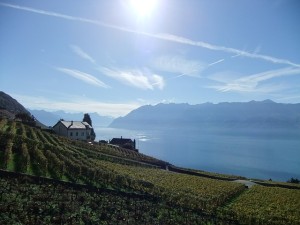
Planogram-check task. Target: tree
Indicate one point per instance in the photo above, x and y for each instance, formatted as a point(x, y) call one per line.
point(293, 181)
point(87, 118)
point(25, 117)
point(93, 134)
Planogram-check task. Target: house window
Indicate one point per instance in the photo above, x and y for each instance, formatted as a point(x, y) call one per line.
point(76, 134)
point(71, 133)
point(82, 133)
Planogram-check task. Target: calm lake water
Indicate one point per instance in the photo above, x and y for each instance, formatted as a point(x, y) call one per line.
point(262, 154)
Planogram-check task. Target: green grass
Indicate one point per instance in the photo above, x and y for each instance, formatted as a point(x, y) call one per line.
point(11, 166)
point(5, 127)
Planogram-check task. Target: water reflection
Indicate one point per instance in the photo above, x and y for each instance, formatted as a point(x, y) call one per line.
point(263, 154)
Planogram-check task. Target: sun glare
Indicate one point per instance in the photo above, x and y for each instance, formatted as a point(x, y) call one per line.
point(143, 7)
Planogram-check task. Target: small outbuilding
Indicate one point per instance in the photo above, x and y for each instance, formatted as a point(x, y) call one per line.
point(124, 143)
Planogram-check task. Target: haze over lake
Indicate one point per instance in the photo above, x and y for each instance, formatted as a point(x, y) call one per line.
point(264, 154)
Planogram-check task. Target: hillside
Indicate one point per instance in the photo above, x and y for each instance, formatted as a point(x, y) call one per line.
point(11, 104)
point(9, 107)
point(264, 114)
point(98, 183)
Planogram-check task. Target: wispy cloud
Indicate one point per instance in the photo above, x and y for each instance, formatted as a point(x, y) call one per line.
point(251, 83)
point(136, 78)
point(77, 104)
point(257, 49)
point(143, 79)
point(77, 50)
point(236, 55)
point(178, 65)
point(166, 37)
point(293, 97)
point(85, 77)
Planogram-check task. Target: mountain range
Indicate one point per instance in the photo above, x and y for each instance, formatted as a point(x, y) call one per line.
point(253, 114)
point(51, 118)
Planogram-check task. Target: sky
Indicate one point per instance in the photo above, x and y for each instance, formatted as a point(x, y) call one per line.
point(111, 57)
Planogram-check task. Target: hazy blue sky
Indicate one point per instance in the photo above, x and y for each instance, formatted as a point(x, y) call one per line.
point(112, 56)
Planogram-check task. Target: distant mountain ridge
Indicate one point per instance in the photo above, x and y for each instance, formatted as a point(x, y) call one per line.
point(256, 114)
point(51, 118)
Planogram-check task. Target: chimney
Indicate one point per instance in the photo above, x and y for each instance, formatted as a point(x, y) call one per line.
point(70, 124)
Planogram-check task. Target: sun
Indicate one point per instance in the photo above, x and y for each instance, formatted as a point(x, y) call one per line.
point(143, 8)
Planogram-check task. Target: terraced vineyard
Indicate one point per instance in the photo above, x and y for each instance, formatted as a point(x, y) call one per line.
point(25, 200)
point(29, 150)
point(201, 173)
point(31, 144)
point(197, 193)
point(267, 205)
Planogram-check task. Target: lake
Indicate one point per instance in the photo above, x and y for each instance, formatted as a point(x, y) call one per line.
point(264, 154)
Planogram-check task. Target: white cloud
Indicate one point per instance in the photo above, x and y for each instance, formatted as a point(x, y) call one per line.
point(136, 78)
point(178, 64)
point(225, 76)
point(293, 97)
point(157, 81)
point(77, 104)
point(272, 74)
point(77, 50)
point(85, 77)
point(254, 82)
point(166, 37)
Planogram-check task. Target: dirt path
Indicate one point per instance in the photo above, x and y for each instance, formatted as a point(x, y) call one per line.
point(247, 183)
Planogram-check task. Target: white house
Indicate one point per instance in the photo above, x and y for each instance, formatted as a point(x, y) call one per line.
point(76, 130)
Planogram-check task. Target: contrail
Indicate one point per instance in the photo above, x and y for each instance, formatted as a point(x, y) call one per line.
point(221, 60)
point(166, 37)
